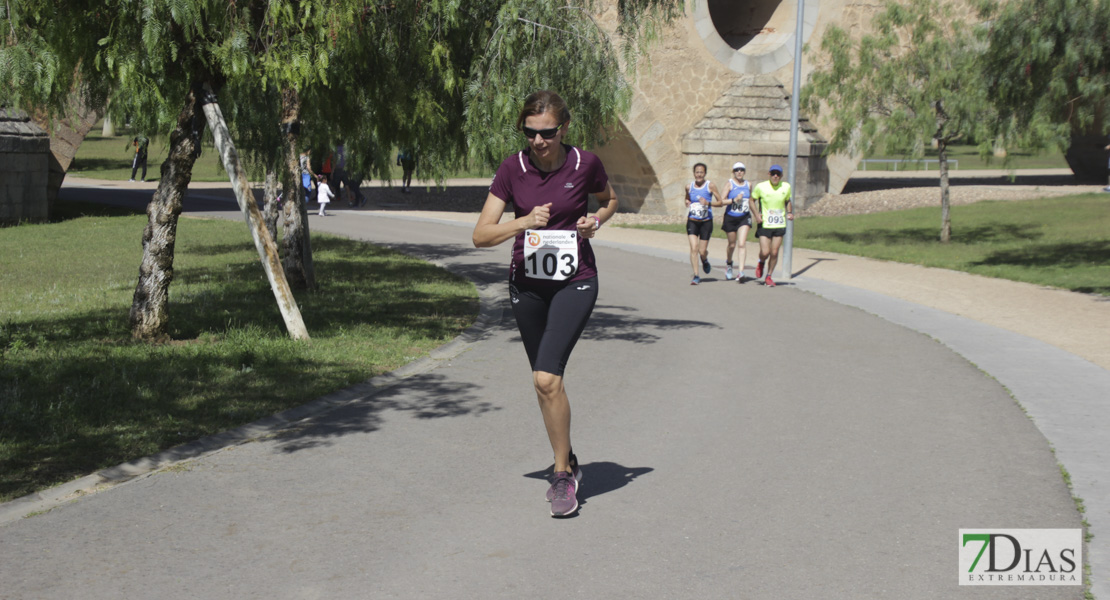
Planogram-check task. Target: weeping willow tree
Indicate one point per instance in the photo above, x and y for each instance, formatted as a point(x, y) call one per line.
point(559, 46)
point(448, 78)
point(445, 77)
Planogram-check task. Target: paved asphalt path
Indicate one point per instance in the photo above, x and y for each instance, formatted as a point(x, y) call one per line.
point(736, 441)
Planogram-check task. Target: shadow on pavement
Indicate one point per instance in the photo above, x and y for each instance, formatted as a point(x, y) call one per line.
point(196, 200)
point(815, 262)
point(606, 324)
point(619, 323)
point(454, 198)
point(440, 252)
point(426, 396)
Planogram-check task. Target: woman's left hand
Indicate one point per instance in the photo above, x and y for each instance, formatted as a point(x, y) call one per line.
point(587, 227)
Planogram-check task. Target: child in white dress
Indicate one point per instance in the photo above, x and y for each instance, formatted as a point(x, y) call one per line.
point(324, 195)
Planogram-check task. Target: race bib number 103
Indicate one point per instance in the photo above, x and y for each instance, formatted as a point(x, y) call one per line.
point(550, 254)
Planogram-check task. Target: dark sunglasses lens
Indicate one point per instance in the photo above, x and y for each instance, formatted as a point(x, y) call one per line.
point(546, 134)
point(779, 173)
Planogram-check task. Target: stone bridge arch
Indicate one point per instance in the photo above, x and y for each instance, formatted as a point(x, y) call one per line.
point(718, 91)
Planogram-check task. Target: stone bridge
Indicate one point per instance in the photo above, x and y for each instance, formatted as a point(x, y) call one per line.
point(718, 91)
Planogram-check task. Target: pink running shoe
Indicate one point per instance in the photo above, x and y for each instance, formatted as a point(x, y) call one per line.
point(769, 282)
point(759, 270)
point(564, 501)
point(574, 470)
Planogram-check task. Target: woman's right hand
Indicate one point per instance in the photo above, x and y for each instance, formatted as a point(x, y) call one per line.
point(537, 219)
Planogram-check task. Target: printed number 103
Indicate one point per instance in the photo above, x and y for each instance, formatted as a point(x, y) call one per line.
point(549, 262)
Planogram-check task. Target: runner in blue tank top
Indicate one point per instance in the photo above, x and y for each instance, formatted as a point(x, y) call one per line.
point(701, 196)
point(738, 219)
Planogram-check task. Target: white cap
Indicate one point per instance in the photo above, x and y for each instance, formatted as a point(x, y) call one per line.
point(739, 165)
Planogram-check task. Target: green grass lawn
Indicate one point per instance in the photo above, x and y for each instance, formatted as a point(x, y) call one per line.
point(77, 395)
point(1060, 242)
point(109, 158)
point(969, 159)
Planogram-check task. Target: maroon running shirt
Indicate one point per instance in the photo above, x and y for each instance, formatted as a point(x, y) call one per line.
point(519, 183)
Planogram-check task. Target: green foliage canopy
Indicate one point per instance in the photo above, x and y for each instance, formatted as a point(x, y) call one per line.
point(559, 46)
point(1047, 65)
point(40, 66)
point(914, 79)
point(444, 77)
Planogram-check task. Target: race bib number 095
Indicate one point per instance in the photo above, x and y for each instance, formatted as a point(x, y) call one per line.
point(550, 254)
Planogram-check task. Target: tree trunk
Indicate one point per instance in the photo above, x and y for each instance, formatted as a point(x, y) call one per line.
point(66, 135)
point(943, 138)
point(149, 309)
point(263, 242)
point(945, 220)
point(295, 241)
point(271, 203)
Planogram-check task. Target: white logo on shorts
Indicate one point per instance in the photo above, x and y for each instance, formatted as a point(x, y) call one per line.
point(584, 287)
point(569, 186)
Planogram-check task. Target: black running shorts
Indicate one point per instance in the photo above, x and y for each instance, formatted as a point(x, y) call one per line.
point(735, 223)
point(702, 229)
point(550, 320)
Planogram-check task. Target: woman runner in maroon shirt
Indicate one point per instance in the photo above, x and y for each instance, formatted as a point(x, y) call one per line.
point(553, 274)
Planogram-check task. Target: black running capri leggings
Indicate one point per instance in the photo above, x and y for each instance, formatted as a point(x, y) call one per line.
point(550, 321)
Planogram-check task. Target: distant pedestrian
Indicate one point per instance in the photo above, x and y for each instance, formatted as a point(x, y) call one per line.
point(326, 168)
point(771, 209)
point(738, 219)
point(354, 182)
point(324, 195)
point(339, 177)
point(307, 176)
point(701, 196)
point(1107, 188)
point(407, 161)
point(139, 144)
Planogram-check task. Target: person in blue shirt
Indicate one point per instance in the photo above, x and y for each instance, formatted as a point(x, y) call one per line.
point(701, 196)
point(738, 219)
